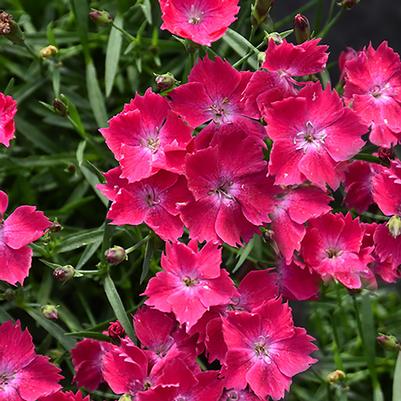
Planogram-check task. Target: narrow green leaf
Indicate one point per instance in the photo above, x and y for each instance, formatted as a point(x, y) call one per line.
point(244, 253)
point(118, 307)
point(52, 328)
point(113, 54)
point(33, 135)
point(10, 86)
point(147, 10)
point(88, 253)
point(96, 98)
point(146, 261)
point(89, 334)
point(79, 240)
point(397, 380)
point(241, 46)
point(81, 13)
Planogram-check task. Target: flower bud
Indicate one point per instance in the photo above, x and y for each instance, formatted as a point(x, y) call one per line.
point(48, 51)
point(50, 312)
point(301, 28)
point(389, 342)
point(385, 154)
point(165, 82)
point(115, 255)
point(55, 227)
point(10, 29)
point(260, 11)
point(394, 226)
point(100, 17)
point(60, 107)
point(348, 4)
point(276, 37)
point(336, 376)
point(115, 330)
point(125, 397)
point(64, 273)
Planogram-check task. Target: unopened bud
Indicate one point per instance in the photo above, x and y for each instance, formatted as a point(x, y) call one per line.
point(389, 342)
point(301, 28)
point(115, 255)
point(165, 82)
point(48, 51)
point(60, 107)
point(115, 330)
point(64, 273)
point(336, 376)
point(260, 11)
point(10, 29)
point(385, 154)
point(125, 397)
point(100, 17)
point(348, 4)
point(50, 312)
point(55, 227)
point(394, 226)
point(276, 37)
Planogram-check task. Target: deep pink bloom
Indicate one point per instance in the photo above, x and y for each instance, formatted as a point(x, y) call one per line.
point(24, 226)
point(207, 97)
point(293, 208)
point(202, 21)
point(87, 358)
point(358, 185)
point(159, 333)
point(346, 55)
point(239, 395)
point(387, 195)
point(66, 396)
point(332, 247)
point(265, 350)
point(179, 382)
point(190, 283)
point(232, 194)
point(125, 369)
point(147, 136)
point(296, 60)
point(24, 375)
point(311, 134)
point(373, 87)
point(296, 283)
point(153, 201)
point(8, 109)
point(114, 182)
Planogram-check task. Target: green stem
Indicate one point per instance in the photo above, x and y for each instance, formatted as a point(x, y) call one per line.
point(330, 25)
point(138, 244)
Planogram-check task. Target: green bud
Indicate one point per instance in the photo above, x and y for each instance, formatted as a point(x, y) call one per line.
point(125, 397)
point(301, 28)
point(348, 4)
point(260, 11)
point(100, 17)
point(394, 226)
point(64, 273)
point(50, 312)
point(10, 29)
point(389, 342)
point(165, 81)
point(115, 255)
point(336, 376)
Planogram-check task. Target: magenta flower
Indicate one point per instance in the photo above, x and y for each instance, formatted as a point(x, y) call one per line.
point(146, 137)
point(24, 226)
point(232, 194)
point(373, 87)
point(239, 395)
point(179, 382)
point(207, 98)
point(153, 201)
point(387, 195)
point(293, 208)
point(24, 375)
point(265, 350)
point(202, 21)
point(312, 133)
point(333, 248)
point(66, 396)
point(87, 358)
point(190, 283)
point(8, 109)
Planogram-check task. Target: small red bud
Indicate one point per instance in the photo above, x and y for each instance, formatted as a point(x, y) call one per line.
point(64, 273)
point(50, 312)
point(301, 28)
point(115, 330)
point(115, 255)
point(100, 17)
